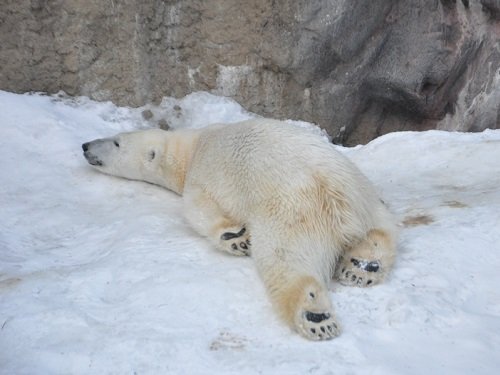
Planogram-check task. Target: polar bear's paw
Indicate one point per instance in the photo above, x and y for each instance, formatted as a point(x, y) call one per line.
point(314, 317)
point(359, 272)
point(235, 241)
point(318, 325)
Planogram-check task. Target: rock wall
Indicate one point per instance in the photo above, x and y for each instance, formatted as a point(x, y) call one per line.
point(358, 68)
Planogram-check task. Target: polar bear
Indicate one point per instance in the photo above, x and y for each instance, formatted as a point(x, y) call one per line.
point(275, 191)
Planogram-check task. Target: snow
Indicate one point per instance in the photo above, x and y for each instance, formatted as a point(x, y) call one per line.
point(100, 275)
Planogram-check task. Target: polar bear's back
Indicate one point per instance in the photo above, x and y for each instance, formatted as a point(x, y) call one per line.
point(262, 151)
point(264, 141)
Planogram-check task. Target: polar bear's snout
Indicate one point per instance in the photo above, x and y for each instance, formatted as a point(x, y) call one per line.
point(92, 151)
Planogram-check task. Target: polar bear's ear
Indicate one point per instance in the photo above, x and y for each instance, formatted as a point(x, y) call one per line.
point(151, 155)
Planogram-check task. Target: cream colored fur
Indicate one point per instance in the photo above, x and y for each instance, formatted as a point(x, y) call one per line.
point(282, 193)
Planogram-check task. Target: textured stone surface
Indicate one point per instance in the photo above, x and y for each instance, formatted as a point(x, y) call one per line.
point(357, 68)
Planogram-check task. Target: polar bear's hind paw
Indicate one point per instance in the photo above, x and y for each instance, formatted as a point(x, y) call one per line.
point(359, 272)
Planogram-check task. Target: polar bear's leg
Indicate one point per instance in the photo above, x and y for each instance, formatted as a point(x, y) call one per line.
point(296, 287)
point(368, 262)
point(303, 302)
point(207, 218)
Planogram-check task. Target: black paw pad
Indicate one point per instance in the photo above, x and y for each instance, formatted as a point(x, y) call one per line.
point(316, 318)
point(373, 266)
point(229, 235)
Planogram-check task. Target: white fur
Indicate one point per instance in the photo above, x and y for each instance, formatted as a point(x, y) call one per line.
point(306, 209)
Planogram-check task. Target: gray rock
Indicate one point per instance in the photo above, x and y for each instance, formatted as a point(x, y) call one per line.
point(163, 124)
point(147, 114)
point(357, 68)
point(493, 6)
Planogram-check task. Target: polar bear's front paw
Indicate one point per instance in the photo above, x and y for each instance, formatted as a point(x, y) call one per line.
point(318, 325)
point(359, 272)
point(236, 242)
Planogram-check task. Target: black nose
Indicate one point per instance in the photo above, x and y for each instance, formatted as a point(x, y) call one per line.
point(85, 146)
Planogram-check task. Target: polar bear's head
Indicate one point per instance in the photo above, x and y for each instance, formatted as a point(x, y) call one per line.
point(135, 155)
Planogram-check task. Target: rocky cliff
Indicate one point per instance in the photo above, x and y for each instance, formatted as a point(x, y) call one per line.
point(358, 68)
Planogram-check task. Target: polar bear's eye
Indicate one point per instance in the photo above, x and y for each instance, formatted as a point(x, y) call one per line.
point(116, 143)
point(152, 155)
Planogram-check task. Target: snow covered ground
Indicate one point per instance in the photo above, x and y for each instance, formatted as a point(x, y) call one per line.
point(100, 275)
